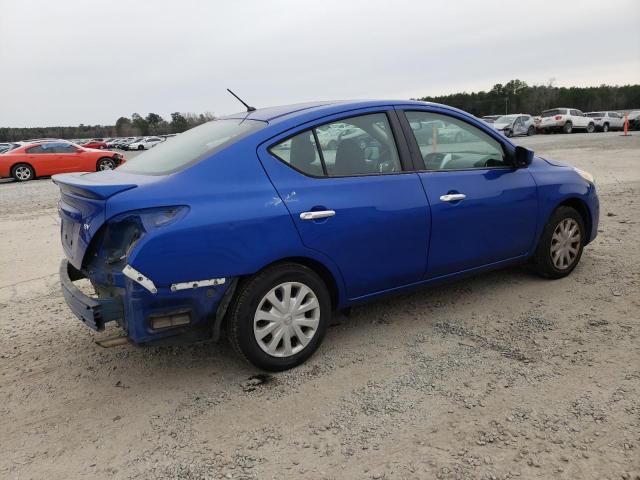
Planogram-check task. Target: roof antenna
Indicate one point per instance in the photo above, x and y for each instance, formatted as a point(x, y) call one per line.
point(249, 108)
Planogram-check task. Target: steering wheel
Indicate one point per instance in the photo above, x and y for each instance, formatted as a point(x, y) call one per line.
point(384, 160)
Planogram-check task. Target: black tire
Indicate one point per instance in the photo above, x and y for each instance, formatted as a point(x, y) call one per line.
point(531, 131)
point(240, 316)
point(568, 127)
point(508, 132)
point(140, 147)
point(105, 163)
point(605, 127)
point(591, 128)
point(23, 172)
point(542, 258)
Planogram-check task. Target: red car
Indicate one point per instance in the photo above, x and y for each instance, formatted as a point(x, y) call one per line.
point(95, 143)
point(46, 158)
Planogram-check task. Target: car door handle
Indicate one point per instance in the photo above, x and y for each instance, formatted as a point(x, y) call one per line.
point(453, 197)
point(317, 214)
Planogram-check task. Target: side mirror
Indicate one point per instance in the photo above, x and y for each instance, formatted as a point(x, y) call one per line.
point(523, 157)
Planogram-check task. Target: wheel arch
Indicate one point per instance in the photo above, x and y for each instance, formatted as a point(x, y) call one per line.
point(581, 207)
point(319, 268)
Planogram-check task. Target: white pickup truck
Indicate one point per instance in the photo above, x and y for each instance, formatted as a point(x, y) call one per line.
point(606, 121)
point(565, 120)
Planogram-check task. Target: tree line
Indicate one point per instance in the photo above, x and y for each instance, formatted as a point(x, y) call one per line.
point(134, 126)
point(516, 96)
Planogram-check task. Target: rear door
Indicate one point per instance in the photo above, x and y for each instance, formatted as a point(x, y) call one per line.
point(355, 203)
point(483, 210)
point(44, 158)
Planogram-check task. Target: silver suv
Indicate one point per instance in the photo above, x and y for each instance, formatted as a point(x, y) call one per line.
point(606, 121)
point(565, 120)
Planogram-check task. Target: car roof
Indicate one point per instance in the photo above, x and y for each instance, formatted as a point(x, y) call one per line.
point(283, 112)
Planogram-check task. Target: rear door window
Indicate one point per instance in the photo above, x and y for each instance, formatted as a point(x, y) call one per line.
point(43, 148)
point(362, 145)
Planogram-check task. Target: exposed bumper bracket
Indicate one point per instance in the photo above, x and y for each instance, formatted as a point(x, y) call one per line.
point(197, 284)
point(137, 277)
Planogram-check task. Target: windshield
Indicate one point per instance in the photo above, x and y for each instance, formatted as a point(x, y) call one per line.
point(595, 114)
point(506, 118)
point(552, 113)
point(191, 146)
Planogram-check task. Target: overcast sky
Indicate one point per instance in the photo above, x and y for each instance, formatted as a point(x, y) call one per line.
point(66, 62)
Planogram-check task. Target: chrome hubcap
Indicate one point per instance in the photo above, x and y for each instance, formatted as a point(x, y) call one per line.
point(565, 243)
point(23, 173)
point(286, 320)
point(104, 165)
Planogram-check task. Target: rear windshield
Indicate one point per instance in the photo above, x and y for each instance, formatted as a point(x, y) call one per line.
point(596, 114)
point(554, 112)
point(189, 147)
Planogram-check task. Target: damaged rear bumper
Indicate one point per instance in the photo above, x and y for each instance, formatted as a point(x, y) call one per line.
point(93, 312)
point(147, 312)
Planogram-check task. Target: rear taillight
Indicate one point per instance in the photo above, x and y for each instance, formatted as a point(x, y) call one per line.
point(558, 117)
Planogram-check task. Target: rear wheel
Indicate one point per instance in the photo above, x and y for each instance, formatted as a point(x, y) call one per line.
point(105, 164)
point(568, 127)
point(23, 172)
point(561, 244)
point(531, 130)
point(591, 128)
point(140, 147)
point(278, 317)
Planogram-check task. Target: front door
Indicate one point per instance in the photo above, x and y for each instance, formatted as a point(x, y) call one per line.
point(483, 210)
point(352, 202)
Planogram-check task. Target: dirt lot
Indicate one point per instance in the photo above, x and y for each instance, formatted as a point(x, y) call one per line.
point(500, 376)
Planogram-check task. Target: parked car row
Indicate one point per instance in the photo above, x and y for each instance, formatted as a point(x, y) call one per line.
point(565, 120)
point(137, 143)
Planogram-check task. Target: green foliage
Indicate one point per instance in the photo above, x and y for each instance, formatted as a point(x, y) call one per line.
point(152, 124)
point(517, 97)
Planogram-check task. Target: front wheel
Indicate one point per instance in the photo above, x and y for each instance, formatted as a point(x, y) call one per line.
point(278, 317)
point(605, 128)
point(508, 132)
point(105, 164)
point(140, 147)
point(531, 130)
point(568, 127)
point(561, 244)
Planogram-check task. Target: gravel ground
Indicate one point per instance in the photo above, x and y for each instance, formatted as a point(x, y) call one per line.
point(500, 376)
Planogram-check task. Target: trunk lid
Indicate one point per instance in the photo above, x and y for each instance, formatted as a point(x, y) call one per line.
point(82, 207)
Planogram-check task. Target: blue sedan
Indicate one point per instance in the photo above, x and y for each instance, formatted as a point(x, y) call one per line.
point(250, 226)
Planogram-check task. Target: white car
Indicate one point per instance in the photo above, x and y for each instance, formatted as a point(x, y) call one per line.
point(565, 120)
point(330, 136)
point(515, 124)
point(145, 143)
point(606, 121)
